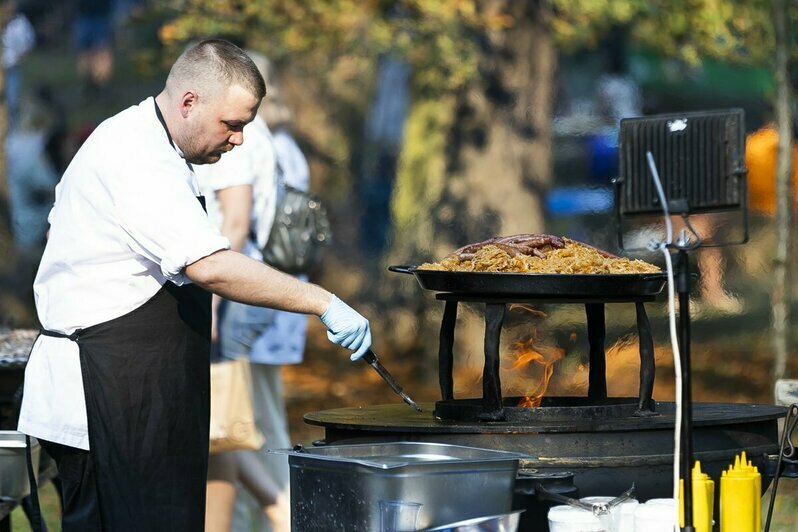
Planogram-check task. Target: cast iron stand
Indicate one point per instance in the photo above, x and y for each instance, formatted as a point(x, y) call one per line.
point(495, 309)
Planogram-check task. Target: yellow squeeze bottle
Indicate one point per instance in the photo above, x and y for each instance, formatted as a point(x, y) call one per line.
point(703, 500)
point(740, 494)
point(757, 485)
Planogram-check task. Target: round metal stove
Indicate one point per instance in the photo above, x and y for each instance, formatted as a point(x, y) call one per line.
point(606, 451)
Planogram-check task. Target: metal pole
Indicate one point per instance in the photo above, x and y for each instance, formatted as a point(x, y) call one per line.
point(683, 287)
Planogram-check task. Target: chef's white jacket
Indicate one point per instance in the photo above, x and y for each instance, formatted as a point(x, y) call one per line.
point(125, 221)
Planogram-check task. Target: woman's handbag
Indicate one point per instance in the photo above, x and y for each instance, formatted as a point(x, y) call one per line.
point(299, 232)
point(232, 416)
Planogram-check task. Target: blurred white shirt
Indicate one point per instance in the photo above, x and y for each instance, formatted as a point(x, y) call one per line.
point(265, 161)
point(283, 341)
point(252, 163)
point(18, 40)
point(292, 164)
point(31, 180)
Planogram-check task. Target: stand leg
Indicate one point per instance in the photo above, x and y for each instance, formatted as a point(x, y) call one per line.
point(491, 383)
point(645, 405)
point(445, 351)
point(683, 287)
point(596, 333)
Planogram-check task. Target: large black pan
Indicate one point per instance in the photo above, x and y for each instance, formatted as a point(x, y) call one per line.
point(534, 285)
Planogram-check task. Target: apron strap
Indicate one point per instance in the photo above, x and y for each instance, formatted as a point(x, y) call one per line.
point(35, 511)
point(36, 523)
point(159, 114)
point(55, 334)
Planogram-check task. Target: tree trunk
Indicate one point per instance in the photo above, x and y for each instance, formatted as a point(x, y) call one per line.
point(475, 165)
point(478, 164)
point(503, 166)
point(780, 298)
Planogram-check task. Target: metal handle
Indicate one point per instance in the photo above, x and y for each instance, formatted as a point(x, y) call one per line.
point(402, 268)
point(597, 509)
point(369, 357)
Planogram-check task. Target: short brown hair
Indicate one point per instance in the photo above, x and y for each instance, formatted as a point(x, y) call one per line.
point(214, 64)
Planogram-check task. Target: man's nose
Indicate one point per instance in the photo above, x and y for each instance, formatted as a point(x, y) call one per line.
point(237, 138)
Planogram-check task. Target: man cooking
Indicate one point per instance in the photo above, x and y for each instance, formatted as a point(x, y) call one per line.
point(117, 384)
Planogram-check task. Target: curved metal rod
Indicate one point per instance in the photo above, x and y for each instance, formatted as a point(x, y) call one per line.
point(786, 449)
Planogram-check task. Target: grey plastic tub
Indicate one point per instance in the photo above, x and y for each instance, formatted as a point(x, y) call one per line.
point(13, 465)
point(340, 487)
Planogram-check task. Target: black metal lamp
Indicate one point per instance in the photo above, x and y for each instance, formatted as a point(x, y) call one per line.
point(700, 158)
point(696, 161)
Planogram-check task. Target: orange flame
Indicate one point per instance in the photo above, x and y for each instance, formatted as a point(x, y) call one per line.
point(526, 354)
point(527, 308)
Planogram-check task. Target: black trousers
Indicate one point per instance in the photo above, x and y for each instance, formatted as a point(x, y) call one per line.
point(81, 511)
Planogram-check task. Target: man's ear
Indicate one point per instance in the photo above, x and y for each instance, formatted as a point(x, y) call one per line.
point(188, 102)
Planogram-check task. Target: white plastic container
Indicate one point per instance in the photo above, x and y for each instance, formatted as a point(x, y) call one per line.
point(661, 502)
point(656, 515)
point(570, 519)
point(622, 516)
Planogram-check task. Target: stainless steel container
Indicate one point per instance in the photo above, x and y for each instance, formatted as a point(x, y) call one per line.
point(493, 523)
point(13, 465)
point(340, 487)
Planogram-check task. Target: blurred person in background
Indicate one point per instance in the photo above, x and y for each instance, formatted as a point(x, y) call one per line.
point(283, 339)
point(231, 187)
point(58, 144)
point(92, 34)
point(19, 39)
point(617, 96)
point(760, 159)
point(31, 177)
point(712, 266)
point(244, 189)
point(123, 13)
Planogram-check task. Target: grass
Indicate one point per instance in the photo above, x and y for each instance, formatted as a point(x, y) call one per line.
point(785, 510)
point(51, 511)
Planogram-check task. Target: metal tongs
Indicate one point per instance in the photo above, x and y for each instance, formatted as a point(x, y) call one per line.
point(597, 508)
point(786, 451)
point(374, 362)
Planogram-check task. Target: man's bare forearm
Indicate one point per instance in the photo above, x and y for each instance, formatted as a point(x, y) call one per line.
point(240, 278)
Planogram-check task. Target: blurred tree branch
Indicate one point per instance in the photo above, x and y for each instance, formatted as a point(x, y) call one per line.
point(780, 298)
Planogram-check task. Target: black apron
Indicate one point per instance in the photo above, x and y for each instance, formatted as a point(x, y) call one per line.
point(146, 380)
point(147, 387)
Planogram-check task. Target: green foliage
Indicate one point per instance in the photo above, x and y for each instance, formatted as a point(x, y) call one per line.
point(440, 38)
point(422, 168)
point(732, 30)
point(343, 38)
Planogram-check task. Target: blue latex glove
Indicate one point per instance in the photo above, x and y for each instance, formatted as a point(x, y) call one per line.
point(347, 328)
